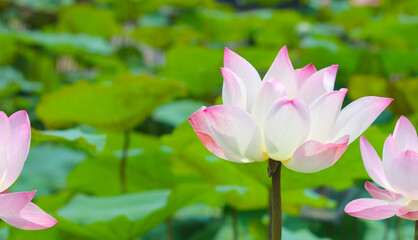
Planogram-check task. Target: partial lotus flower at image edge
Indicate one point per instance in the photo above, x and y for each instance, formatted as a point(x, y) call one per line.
point(397, 174)
point(16, 208)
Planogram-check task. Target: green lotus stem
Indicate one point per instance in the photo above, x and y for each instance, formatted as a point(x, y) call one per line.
point(276, 200)
point(234, 216)
point(387, 227)
point(170, 229)
point(122, 167)
point(398, 228)
point(269, 211)
point(416, 231)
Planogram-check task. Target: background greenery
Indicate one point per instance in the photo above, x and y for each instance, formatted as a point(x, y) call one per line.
point(110, 82)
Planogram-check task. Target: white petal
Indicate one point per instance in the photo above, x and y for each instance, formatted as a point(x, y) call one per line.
point(373, 164)
point(389, 150)
point(355, 118)
point(246, 72)
point(270, 91)
point(405, 135)
point(313, 156)
point(17, 147)
point(233, 90)
point(318, 84)
point(4, 125)
point(282, 69)
point(286, 127)
point(401, 173)
point(324, 112)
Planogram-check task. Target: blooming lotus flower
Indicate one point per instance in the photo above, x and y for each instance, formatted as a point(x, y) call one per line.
point(16, 208)
point(291, 115)
point(397, 174)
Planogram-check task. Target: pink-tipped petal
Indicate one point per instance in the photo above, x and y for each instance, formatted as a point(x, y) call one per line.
point(389, 150)
point(246, 72)
point(302, 74)
point(18, 120)
point(4, 125)
point(4, 163)
point(270, 91)
point(381, 194)
point(318, 84)
point(314, 156)
point(233, 90)
point(231, 129)
point(213, 146)
point(373, 209)
point(4, 142)
point(324, 111)
point(282, 69)
point(18, 150)
point(405, 135)
point(373, 164)
point(205, 135)
point(286, 127)
point(355, 118)
point(401, 173)
point(407, 213)
point(12, 203)
point(31, 217)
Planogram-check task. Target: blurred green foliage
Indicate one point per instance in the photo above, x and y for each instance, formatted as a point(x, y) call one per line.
point(110, 84)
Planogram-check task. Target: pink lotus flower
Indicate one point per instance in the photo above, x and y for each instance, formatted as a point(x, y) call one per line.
point(397, 174)
point(291, 115)
point(16, 208)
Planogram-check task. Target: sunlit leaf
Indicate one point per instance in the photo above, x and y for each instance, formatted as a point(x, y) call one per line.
point(85, 210)
point(367, 85)
point(65, 42)
point(278, 30)
point(402, 32)
point(200, 68)
point(131, 214)
point(84, 18)
point(45, 5)
point(163, 37)
point(9, 49)
point(122, 104)
point(72, 137)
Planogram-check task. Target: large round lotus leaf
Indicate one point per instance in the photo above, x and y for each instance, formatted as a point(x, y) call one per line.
point(118, 106)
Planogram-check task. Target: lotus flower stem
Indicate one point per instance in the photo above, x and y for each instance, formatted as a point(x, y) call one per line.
point(399, 228)
point(416, 230)
point(170, 229)
point(235, 226)
point(276, 199)
point(387, 227)
point(270, 209)
point(122, 167)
